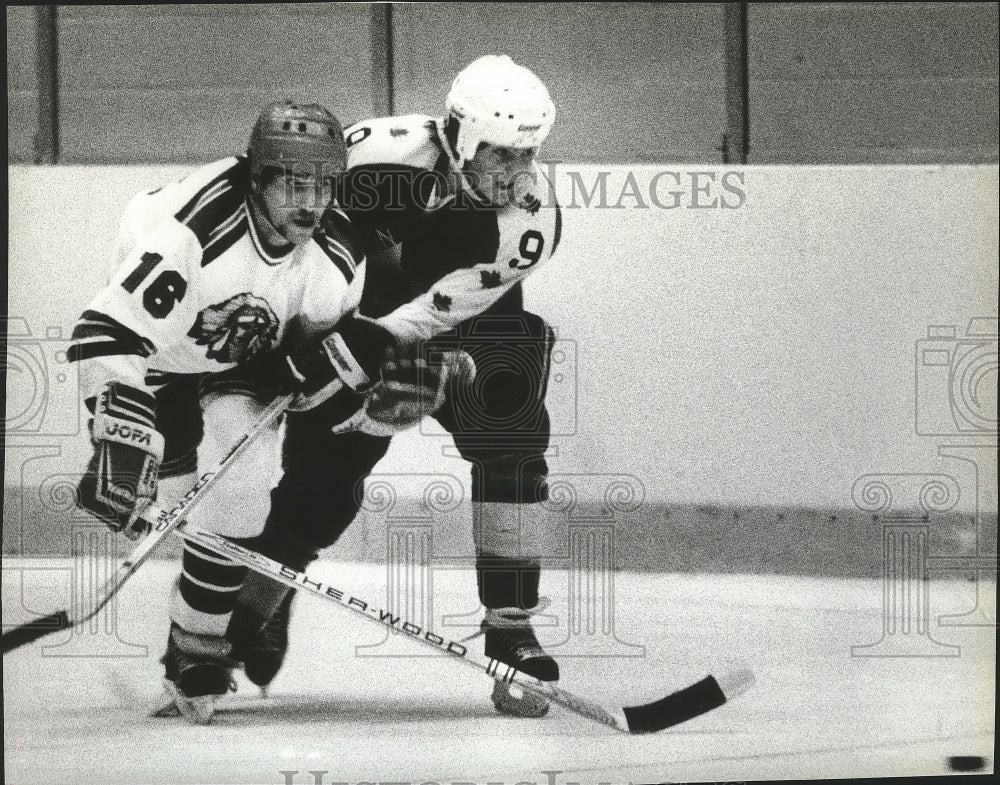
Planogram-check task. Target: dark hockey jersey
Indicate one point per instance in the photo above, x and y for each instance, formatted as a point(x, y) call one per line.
point(458, 254)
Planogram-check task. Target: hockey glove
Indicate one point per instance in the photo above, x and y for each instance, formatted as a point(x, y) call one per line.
point(411, 388)
point(121, 477)
point(347, 357)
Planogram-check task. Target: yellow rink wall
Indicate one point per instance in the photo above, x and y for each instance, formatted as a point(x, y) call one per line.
point(744, 377)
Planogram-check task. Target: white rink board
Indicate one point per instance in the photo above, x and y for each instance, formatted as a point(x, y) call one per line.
point(762, 354)
point(816, 712)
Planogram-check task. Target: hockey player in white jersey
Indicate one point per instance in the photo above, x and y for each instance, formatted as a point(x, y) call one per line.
point(456, 214)
point(225, 287)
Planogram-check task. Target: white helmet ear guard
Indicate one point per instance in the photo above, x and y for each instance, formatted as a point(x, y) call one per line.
point(499, 102)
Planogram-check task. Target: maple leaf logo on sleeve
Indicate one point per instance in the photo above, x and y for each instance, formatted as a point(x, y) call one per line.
point(442, 302)
point(490, 279)
point(531, 203)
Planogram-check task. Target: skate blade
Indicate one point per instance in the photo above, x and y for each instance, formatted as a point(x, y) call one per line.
point(198, 710)
point(513, 701)
point(164, 705)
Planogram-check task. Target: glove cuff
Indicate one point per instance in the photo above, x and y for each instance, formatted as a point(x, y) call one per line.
point(126, 415)
point(113, 429)
point(346, 364)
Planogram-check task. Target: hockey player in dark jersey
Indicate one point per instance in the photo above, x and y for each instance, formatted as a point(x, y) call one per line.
point(226, 287)
point(454, 213)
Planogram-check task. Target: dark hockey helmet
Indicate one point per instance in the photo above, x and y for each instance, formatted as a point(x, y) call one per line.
point(287, 133)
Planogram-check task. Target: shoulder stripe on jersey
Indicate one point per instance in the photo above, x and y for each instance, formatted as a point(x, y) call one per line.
point(98, 328)
point(230, 176)
point(225, 236)
point(337, 254)
point(343, 234)
point(343, 251)
point(216, 216)
point(78, 352)
point(213, 213)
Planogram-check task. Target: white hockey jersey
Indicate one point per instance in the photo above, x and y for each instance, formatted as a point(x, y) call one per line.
point(198, 290)
point(459, 256)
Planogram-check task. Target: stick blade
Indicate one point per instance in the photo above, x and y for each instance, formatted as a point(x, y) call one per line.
point(686, 704)
point(31, 631)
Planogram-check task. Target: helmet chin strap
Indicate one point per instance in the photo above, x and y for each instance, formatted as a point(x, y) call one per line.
point(456, 164)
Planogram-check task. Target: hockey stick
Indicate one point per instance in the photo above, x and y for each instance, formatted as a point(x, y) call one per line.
point(677, 707)
point(162, 522)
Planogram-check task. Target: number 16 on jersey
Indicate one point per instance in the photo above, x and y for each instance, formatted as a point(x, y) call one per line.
point(166, 290)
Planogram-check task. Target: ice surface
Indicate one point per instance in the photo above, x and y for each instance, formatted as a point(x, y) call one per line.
point(336, 716)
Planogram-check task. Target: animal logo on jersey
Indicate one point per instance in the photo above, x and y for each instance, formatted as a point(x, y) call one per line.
point(237, 329)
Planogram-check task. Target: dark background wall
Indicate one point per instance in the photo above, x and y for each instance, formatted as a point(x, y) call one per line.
point(872, 82)
point(634, 82)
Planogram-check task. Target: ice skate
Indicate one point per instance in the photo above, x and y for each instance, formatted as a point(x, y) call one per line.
point(263, 656)
point(511, 639)
point(197, 672)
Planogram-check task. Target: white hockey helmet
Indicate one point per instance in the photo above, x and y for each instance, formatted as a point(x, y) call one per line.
point(499, 102)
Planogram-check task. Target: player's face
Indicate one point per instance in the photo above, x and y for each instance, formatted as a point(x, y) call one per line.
point(294, 204)
point(503, 175)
